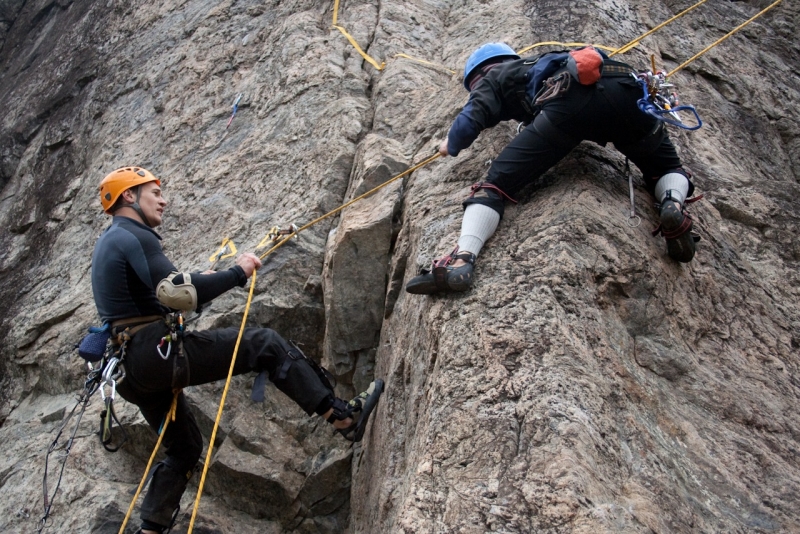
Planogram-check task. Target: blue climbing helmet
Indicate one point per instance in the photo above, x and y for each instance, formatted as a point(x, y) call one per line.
point(483, 55)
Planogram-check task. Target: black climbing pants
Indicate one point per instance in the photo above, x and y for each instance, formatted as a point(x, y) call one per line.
point(604, 112)
point(149, 383)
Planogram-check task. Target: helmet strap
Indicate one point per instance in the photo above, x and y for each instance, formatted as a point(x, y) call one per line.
point(137, 208)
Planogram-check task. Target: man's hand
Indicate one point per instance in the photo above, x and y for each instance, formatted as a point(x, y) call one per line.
point(443, 148)
point(249, 262)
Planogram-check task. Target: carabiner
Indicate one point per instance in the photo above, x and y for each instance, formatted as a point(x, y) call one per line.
point(113, 385)
point(168, 340)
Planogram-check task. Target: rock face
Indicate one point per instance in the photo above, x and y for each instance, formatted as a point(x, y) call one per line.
point(586, 383)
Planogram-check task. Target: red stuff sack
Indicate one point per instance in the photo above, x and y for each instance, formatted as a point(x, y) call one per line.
point(585, 65)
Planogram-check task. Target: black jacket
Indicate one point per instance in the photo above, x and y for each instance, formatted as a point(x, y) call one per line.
point(128, 264)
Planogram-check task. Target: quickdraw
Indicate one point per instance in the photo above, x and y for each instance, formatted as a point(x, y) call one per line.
point(235, 109)
point(276, 233)
point(177, 329)
point(113, 374)
point(660, 100)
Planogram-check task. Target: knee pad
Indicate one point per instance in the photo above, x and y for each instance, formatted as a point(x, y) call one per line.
point(181, 296)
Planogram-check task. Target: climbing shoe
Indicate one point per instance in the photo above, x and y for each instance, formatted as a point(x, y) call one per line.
point(359, 408)
point(443, 277)
point(676, 227)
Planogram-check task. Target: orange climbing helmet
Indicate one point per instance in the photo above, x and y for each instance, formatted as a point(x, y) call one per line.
point(120, 180)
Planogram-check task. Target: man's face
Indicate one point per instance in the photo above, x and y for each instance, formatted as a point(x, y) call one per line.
point(152, 202)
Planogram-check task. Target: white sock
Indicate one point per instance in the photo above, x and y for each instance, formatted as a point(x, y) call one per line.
point(674, 183)
point(478, 225)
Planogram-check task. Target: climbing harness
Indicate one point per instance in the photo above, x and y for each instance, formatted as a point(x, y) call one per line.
point(235, 108)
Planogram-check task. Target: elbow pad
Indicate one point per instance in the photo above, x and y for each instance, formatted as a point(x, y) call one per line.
point(178, 297)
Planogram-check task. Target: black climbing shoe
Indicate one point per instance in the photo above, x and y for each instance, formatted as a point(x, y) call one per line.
point(360, 409)
point(443, 277)
point(676, 227)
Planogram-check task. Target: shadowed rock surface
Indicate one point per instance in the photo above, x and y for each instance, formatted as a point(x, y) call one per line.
point(586, 383)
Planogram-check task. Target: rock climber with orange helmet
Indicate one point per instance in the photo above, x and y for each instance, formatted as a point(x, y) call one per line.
point(138, 290)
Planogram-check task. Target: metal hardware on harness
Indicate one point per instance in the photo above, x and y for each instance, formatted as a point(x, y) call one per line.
point(168, 340)
point(112, 393)
point(113, 374)
point(553, 88)
point(660, 101)
point(176, 326)
point(113, 371)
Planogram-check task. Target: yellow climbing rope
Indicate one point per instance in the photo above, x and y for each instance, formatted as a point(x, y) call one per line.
point(222, 403)
point(406, 56)
point(559, 43)
point(169, 417)
point(632, 44)
point(379, 66)
point(244, 322)
point(343, 206)
point(718, 41)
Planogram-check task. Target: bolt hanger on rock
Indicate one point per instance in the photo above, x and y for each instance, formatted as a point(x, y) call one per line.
point(235, 108)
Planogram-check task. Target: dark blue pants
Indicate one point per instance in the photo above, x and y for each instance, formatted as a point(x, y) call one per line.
point(605, 112)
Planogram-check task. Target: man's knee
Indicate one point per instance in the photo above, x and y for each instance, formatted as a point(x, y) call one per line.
point(294, 373)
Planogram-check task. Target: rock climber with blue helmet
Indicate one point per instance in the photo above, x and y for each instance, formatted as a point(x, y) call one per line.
point(563, 98)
